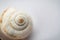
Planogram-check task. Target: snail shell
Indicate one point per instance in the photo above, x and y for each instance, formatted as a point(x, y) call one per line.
point(16, 25)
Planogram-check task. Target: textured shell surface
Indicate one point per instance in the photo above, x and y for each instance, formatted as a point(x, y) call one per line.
point(16, 24)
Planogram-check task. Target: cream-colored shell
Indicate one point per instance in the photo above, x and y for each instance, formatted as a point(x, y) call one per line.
point(16, 25)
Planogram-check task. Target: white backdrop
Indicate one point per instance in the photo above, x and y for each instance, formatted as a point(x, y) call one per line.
point(45, 15)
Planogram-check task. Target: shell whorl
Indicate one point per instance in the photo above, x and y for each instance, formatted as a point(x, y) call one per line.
point(17, 19)
point(16, 25)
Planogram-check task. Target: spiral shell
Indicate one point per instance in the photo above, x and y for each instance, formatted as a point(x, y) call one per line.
point(16, 25)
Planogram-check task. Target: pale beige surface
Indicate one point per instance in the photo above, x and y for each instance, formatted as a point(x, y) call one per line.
point(45, 15)
point(3, 35)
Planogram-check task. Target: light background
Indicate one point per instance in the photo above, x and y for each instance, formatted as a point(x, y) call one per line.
point(45, 15)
